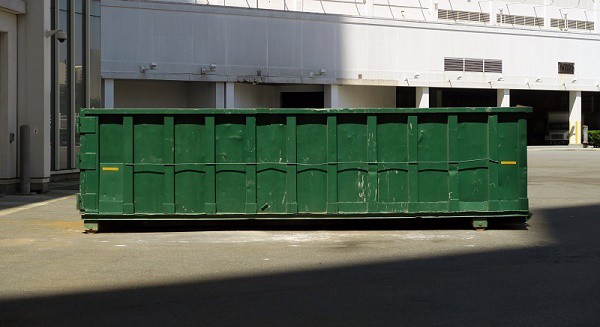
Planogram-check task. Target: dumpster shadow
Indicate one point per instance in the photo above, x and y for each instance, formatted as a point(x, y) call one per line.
point(301, 225)
point(554, 283)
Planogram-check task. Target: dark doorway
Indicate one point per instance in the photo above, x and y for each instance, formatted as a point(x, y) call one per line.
point(550, 108)
point(441, 97)
point(590, 110)
point(302, 99)
point(406, 97)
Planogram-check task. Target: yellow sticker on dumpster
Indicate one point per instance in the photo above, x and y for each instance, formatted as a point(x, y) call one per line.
point(110, 168)
point(508, 162)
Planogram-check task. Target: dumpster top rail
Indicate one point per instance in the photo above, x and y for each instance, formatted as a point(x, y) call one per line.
point(258, 111)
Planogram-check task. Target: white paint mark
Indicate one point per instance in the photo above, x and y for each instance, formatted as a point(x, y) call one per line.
point(120, 245)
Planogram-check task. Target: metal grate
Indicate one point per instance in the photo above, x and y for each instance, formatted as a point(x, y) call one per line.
point(566, 68)
point(565, 24)
point(492, 66)
point(467, 16)
point(454, 64)
point(519, 20)
point(474, 65)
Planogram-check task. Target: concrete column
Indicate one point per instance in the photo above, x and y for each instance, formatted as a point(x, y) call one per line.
point(229, 95)
point(109, 93)
point(574, 117)
point(34, 87)
point(422, 97)
point(332, 96)
point(219, 95)
point(503, 99)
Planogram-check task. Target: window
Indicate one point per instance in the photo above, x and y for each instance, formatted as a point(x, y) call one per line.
point(566, 68)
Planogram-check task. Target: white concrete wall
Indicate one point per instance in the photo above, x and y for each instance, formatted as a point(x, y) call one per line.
point(415, 9)
point(352, 96)
point(8, 98)
point(286, 47)
point(151, 94)
point(256, 96)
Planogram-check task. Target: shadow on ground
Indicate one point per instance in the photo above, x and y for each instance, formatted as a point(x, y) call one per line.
point(553, 283)
point(301, 225)
point(57, 190)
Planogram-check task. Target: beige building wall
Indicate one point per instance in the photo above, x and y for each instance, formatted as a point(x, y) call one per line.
point(8, 98)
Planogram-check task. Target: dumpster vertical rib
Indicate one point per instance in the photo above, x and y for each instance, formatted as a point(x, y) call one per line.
point(128, 165)
point(169, 160)
point(453, 196)
point(493, 161)
point(413, 164)
point(210, 186)
point(332, 166)
point(292, 169)
point(372, 163)
point(522, 162)
point(251, 164)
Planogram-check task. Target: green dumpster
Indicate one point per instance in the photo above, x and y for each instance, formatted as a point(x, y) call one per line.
point(180, 164)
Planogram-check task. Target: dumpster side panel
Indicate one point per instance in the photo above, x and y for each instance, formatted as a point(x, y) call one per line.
point(432, 158)
point(230, 136)
point(392, 158)
point(271, 172)
point(111, 164)
point(311, 142)
point(148, 157)
point(352, 171)
point(191, 157)
point(508, 170)
point(473, 157)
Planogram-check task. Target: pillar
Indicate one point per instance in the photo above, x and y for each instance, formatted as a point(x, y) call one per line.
point(422, 97)
point(574, 117)
point(503, 99)
point(219, 95)
point(34, 87)
point(229, 95)
point(332, 96)
point(109, 93)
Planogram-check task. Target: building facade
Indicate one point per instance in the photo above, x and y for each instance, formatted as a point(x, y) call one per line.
point(288, 53)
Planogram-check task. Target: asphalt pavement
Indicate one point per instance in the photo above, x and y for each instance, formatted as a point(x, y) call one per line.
point(331, 274)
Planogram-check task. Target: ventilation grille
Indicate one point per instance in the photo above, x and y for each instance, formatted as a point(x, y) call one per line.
point(566, 68)
point(472, 65)
point(467, 16)
point(565, 24)
point(454, 64)
point(519, 20)
point(493, 66)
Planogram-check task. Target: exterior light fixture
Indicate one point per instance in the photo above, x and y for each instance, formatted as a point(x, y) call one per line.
point(459, 77)
point(60, 35)
point(417, 75)
point(574, 81)
point(500, 79)
point(538, 80)
point(211, 68)
point(151, 66)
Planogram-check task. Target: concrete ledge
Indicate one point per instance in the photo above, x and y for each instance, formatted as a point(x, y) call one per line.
point(13, 6)
point(577, 147)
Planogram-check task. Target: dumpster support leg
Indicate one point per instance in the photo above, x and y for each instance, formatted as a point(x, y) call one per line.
point(480, 223)
point(91, 227)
